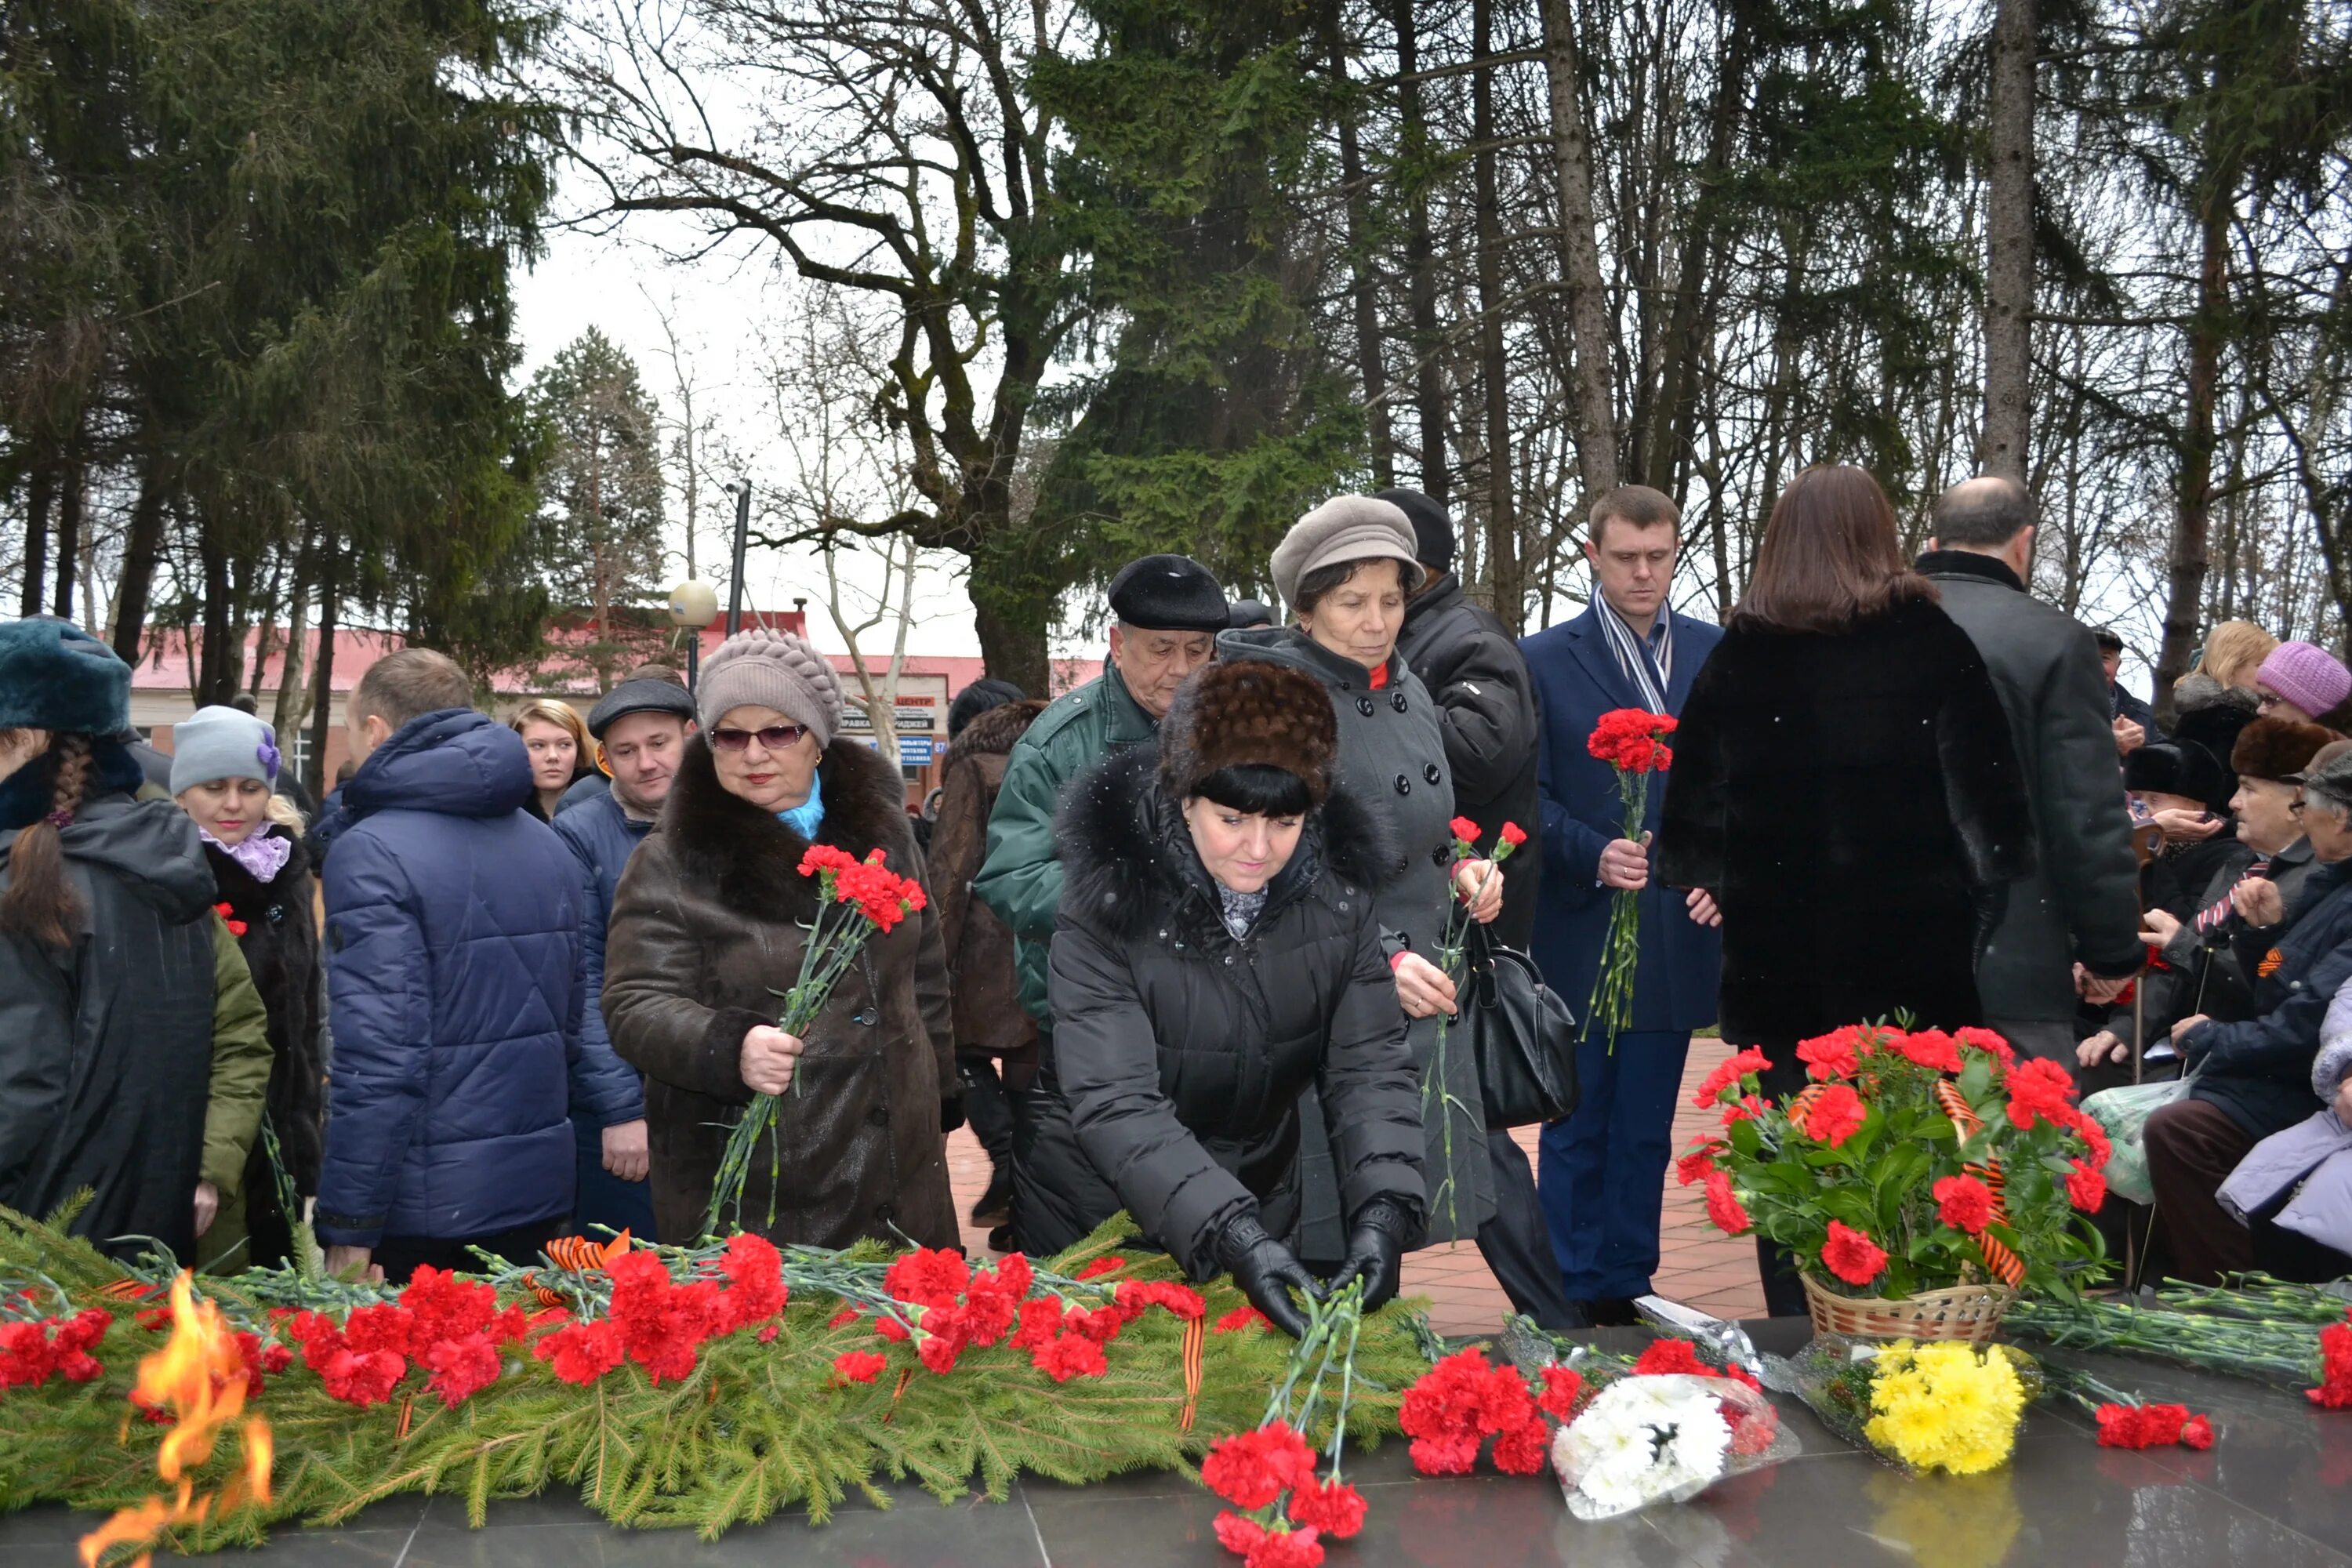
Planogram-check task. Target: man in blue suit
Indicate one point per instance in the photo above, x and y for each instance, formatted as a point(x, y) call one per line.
point(1601, 1175)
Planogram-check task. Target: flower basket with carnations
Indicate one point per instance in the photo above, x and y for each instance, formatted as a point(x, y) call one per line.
point(855, 899)
point(1632, 740)
point(1919, 1182)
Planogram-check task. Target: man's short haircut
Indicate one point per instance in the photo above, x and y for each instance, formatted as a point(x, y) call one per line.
point(662, 672)
point(1983, 513)
point(2108, 639)
point(409, 684)
point(1638, 505)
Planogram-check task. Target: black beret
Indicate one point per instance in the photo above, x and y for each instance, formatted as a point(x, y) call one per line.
point(2176, 767)
point(1433, 531)
point(1168, 593)
point(647, 696)
point(1249, 613)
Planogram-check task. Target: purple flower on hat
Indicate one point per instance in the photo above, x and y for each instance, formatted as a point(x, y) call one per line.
point(267, 753)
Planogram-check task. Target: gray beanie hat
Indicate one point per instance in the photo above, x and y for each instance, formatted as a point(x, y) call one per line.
point(771, 669)
point(1345, 527)
point(217, 743)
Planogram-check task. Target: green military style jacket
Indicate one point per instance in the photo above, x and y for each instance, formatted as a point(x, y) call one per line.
point(1022, 878)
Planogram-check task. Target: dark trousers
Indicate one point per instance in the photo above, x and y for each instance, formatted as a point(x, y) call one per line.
point(1603, 1175)
point(1515, 1244)
point(602, 1198)
point(987, 1107)
point(401, 1256)
point(2192, 1147)
point(1776, 1267)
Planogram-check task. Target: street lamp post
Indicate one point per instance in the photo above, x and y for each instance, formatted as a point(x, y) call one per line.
point(742, 490)
point(693, 604)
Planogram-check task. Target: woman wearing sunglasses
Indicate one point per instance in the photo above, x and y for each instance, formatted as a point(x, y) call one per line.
point(707, 931)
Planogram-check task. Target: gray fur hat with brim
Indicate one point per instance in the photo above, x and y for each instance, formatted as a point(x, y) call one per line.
point(771, 669)
point(1345, 529)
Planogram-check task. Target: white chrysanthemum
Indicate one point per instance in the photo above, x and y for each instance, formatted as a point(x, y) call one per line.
point(1641, 1439)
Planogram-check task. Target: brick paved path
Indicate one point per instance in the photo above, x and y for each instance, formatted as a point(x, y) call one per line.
point(1698, 1265)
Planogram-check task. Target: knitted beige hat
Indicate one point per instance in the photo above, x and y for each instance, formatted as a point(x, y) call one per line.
point(771, 669)
point(1345, 527)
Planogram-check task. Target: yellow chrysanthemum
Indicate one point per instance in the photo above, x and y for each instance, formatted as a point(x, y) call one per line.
point(1944, 1407)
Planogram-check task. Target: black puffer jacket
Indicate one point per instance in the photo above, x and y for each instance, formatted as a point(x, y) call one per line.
point(1486, 700)
point(280, 943)
point(1171, 1085)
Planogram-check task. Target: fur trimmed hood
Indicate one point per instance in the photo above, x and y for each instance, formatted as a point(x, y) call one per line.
point(1249, 713)
point(1126, 854)
point(750, 862)
point(994, 732)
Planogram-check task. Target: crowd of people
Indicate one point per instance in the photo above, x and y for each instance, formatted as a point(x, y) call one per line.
point(1185, 952)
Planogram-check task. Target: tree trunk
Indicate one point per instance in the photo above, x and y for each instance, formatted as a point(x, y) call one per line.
point(1421, 260)
point(1503, 571)
point(1010, 612)
point(1369, 368)
point(214, 682)
point(2009, 244)
point(1660, 450)
point(322, 680)
point(1590, 406)
point(2207, 330)
point(140, 550)
point(69, 508)
point(290, 710)
point(41, 488)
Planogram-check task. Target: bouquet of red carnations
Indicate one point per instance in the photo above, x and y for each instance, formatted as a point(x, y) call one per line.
point(1632, 740)
point(855, 899)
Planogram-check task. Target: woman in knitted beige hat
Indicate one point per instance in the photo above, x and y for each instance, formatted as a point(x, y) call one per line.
point(706, 934)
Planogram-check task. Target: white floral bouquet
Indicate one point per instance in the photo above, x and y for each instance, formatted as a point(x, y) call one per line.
point(1646, 1439)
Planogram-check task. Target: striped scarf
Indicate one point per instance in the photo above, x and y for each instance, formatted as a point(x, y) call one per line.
point(2211, 918)
point(1649, 664)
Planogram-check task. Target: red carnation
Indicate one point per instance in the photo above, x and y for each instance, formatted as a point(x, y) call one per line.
point(1726, 1074)
point(859, 1367)
point(462, 1367)
point(1331, 1507)
point(1851, 1256)
point(1835, 1115)
point(1250, 1469)
point(928, 1277)
point(363, 1378)
point(1100, 1266)
point(2198, 1432)
point(1698, 1164)
point(2086, 1189)
point(1513, 834)
point(1240, 1318)
point(581, 1352)
point(1964, 1204)
point(755, 1290)
point(1465, 831)
point(1259, 1547)
point(1930, 1049)
point(1563, 1386)
point(1723, 1206)
point(1831, 1056)
point(1986, 1040)
point(2039, 1088)
point(2335, 1390)
point(1670, 1356)
point(1069, 1356)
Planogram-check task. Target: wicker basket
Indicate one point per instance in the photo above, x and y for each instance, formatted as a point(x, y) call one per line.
point(1969, 1312)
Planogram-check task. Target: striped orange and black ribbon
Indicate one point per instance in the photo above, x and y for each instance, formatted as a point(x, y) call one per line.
point(1196, 1344)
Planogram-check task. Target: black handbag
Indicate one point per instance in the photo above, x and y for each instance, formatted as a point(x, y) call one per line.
point(1522, 1033)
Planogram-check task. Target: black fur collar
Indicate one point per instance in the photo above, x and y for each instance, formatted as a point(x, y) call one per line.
point(1123, 840)
point(238, 885)
point(750, 862)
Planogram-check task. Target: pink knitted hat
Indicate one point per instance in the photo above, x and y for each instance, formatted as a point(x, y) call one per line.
point(2311, 677)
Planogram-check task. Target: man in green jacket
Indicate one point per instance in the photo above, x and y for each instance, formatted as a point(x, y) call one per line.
point(1166, 613)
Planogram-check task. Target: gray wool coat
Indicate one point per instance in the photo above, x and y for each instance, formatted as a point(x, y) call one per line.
point(1393, 758)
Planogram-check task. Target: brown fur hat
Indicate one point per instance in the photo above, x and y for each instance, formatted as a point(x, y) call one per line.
point(2273, 748)
point(1249, 711)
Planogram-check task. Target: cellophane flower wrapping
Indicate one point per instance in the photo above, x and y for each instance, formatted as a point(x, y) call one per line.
point(1942, 1406)
point(1646, 1439)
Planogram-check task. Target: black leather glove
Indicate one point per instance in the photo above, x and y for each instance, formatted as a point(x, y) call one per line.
point(1267, 1273)
point(950, 1113)
point(1375, 1252)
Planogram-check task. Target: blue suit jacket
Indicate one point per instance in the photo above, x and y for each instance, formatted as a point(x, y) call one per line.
point(1577, 680)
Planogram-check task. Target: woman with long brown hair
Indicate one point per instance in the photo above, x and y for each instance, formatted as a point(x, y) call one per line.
point(557, 739)
point(1844, 784)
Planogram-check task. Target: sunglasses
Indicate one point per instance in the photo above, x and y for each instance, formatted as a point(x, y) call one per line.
point(774, 738)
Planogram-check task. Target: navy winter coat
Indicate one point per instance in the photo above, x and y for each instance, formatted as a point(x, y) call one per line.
point(2259, 1069)
point(453, 972)
point(605, 1089)
point(1575, 682)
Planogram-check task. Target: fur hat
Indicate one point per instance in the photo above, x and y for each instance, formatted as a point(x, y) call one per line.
point(54, 676)
point(2273, 748)
point(1249, 711)
point(2178, 767)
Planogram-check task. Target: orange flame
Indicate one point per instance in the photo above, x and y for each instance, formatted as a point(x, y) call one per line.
point(199, 1376)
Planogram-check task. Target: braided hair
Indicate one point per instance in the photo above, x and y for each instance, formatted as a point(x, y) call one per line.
point(40, 904)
